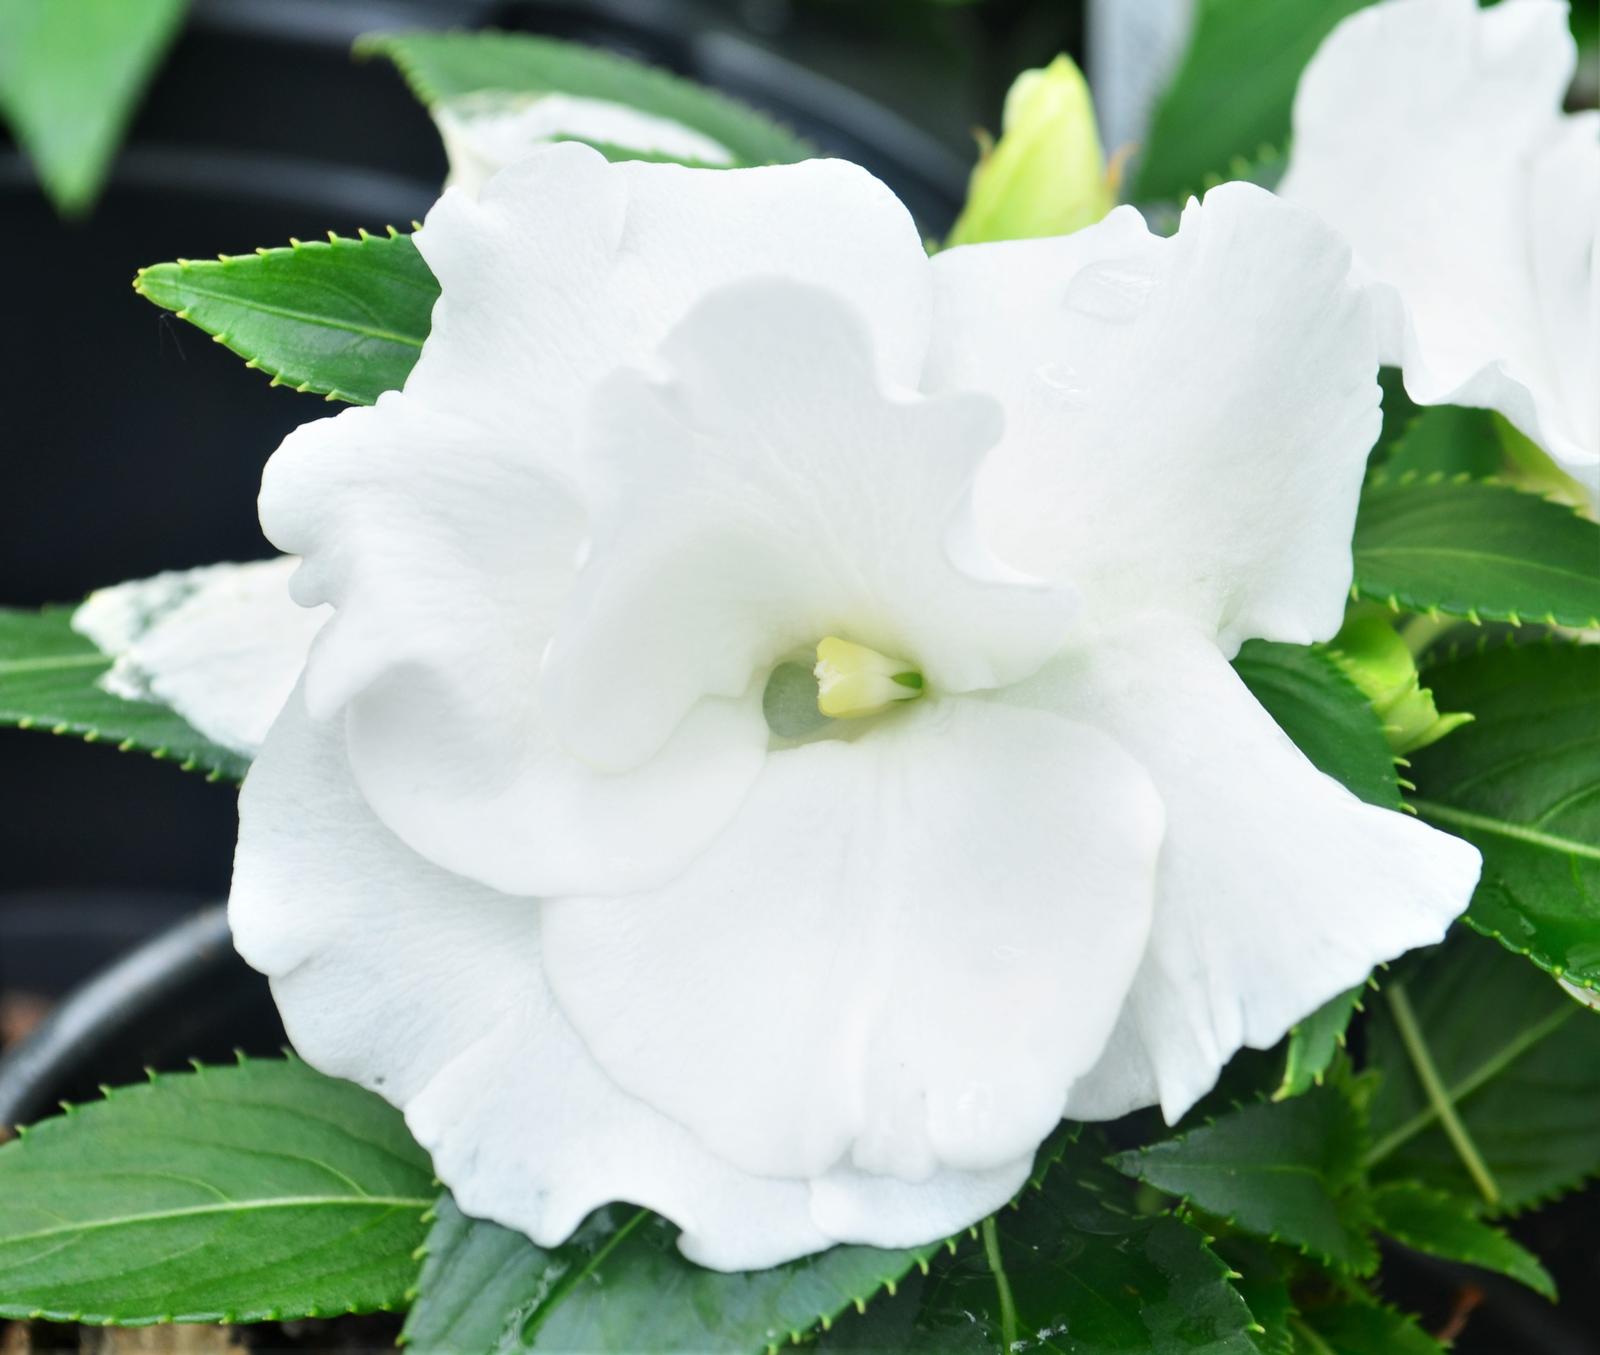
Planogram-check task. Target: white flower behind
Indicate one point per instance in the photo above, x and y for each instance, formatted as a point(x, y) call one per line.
point(1430, 133)
point(523, 855)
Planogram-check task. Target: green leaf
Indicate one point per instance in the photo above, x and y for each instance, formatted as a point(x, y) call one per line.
point(1315, 1042)
point(1232, 93)
point(1263, 1283)
point(242, 1194)
point(620, 1284)
point(1082, 1273)
point(70, 75)
point(1359, 1328)
point(1520, 1062)
point(1482, 551)
point(1440, 1224)
point(49, 680)
point(1522, 782)
point(342, 318)
point(1288, 1170)
point(444, 66)
point(1447, 440)
point(1326, 715)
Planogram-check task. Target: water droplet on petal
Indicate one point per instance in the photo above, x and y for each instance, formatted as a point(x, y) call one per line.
point(1110, 291)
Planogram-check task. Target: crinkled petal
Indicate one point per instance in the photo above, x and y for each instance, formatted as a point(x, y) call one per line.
point(1278, 888)
point(1187, 419)
point(1430, 132)
point(448, 556)
point(568, 267)
point(444, 524)
point(900, 955)
point(770, 492)
point(428, 989)
point(223, 645)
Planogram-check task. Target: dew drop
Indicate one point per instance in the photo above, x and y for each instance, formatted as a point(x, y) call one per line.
point(1110, 291)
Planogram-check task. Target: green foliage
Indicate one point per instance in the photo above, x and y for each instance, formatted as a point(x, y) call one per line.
point(1523, 783)
point(342, 318)
point(1520, 1063)
point(1261, 1275)
point(1357, 1327)
point(1071, 1269)
point(238, 1194)
point(49, 680)
point(485, 1288)
point(1233, 90)
point(1289, 1171)
point(1441, 1224)
point(1477, 550)
point(1447, 440)
point(443, 66)
point(1315, 1042)
point(70, 75)
point(1326, 715)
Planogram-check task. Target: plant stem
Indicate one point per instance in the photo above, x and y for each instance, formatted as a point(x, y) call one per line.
point(1002, 1284)
point(1405, 1020)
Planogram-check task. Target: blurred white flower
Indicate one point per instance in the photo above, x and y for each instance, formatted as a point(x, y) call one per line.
point(1430, 132)
point(523, 854)
point(485, 132)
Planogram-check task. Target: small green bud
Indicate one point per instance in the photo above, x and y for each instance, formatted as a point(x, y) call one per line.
point(1377, 660)
point(1047, 174)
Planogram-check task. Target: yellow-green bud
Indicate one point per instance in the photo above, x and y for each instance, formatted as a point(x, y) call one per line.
point(1047, 174)
point(1377, 660)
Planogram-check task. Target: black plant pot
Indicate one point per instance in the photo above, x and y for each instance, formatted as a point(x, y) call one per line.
point(185, 994)
point(135, 445)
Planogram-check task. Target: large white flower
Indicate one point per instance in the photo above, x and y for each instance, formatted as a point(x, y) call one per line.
point(523, 853)
point(1431, 133)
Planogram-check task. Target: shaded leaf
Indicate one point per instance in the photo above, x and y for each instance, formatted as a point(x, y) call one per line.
point(1326, 715)
point(70, 75)
point(1085, 1273)
point(241, 1194)
point(1477, 550)
point(1358, 1328)
point(1520, 1061)
point(49, 680)
point(1315, 1042)
point(1440, 1224)
point(1522, 782)
point(1288, 1170)
point(444, 66)
point(342, 318)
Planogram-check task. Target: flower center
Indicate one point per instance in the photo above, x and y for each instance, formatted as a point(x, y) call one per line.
point(853, 680)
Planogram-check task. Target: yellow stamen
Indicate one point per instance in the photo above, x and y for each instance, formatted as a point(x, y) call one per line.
point(853, 680)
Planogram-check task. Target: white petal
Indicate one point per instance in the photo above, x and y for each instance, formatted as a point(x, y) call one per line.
point(901, 954)
point(770, 492)
point(223, 646)
point(1424, 130)
point(1186, 419)
point(448, 553)
point(428, 989)
point(443, 524)
point(568, 267)
point(485, 132)
point(1278, 888)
